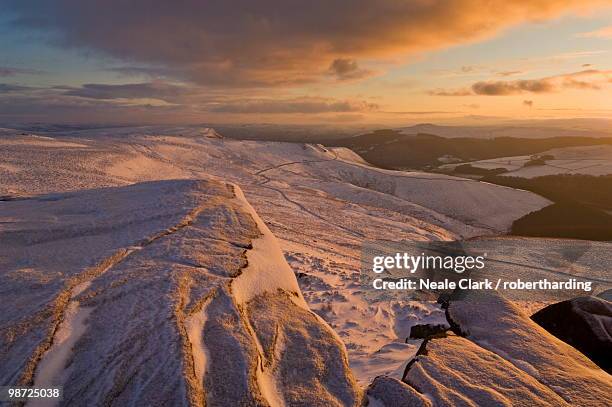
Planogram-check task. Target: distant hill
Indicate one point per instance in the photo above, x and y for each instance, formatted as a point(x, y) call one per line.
point(528, 129)
point(389, 148)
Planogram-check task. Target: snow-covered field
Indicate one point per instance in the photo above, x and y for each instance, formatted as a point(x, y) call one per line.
point(317, 205)
point(587, 160)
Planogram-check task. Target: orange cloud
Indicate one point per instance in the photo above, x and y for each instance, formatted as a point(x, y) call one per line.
point(298, 105)
point(587, 79)
point(245, 43)
point(513, 87)
point(456, 92)
point(348, 69)
point(509, 73)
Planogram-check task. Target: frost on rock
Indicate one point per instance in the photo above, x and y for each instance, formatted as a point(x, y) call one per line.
point(124, 295)
point(302, 351)
point(498, 325)
point(504, 358)
point(456, 372)
point(392, 392)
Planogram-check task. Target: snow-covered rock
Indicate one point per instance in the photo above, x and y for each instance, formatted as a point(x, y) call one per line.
point(455, 371)
point(136, 294)
point(502, 358)
point(389, 392)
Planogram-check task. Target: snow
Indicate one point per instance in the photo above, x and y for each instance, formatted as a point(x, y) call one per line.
point(266, 270)
point(346, 154)
point(320, 204)
point(131, 158)
point(145, 307)
point(455, 371)
point(386, 391)
point(587, 160)
point(501, 328)
point(38, 141)
point(194, 324)
point(212, 264)
point(50, 371)
point(503, 358)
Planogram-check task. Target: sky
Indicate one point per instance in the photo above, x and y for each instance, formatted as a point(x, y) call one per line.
point(334, 62)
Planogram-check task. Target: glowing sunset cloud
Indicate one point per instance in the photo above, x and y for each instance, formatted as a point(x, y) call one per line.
point(287, 61)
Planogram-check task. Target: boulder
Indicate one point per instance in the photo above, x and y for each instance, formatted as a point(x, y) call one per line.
point(585, 323)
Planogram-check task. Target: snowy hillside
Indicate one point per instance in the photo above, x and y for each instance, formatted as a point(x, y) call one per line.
point(159, 293)
point(462, 206)
point(221, 248)
point(321, 204)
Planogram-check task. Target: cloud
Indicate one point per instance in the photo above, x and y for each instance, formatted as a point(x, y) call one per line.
point(6, 71)
point(298, 105)
point(456, 92)
point(159, 102)
point(158, 90)
point(344, 118)
point(587, 79)
point(6, 88)
point(571, 82)
point(509, 73)
point(605, 32)
point(512, 87)
point(421, 112)
point(49, 106)
point(163, 93)
point(155, 72)
point(348, 69)
point(86, 104)
point(465, 70)
point(242, 43)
